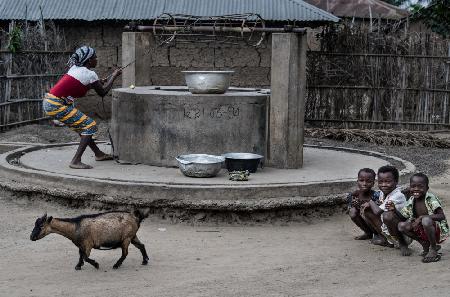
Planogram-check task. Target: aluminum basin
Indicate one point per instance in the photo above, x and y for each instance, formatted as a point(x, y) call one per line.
point(208, 82)
point(200, 165)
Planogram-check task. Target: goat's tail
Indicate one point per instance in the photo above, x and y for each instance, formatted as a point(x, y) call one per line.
point(141, 214)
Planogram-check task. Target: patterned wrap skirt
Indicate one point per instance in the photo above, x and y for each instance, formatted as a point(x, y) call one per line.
point(59, 109)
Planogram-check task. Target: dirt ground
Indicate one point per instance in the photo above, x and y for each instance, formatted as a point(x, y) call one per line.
point(311, 259)
point(319, 258)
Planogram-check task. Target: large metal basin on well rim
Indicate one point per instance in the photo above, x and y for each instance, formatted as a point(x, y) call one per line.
point(200, 165)
point(208, 82)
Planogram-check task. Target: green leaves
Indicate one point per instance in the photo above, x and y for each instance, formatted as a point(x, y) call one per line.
point(436, 16)
point(15, 39)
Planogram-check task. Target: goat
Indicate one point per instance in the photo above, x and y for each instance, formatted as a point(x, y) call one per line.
point(108, 230)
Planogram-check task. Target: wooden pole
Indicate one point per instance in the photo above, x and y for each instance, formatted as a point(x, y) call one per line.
point(446, 109)
point(287, 101)
point(8, 65)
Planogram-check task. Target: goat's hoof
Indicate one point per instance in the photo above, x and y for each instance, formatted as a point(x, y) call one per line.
point(117, 265)
point(145, 262)
point(77, 267)
point(96, 265)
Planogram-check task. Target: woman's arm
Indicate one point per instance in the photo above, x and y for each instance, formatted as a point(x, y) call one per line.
point(103, 88)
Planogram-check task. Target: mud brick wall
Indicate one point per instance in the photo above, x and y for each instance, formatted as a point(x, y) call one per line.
point(251, 65)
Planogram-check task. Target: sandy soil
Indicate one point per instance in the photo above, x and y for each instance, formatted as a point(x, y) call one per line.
point(316, 259)
point(309, 259)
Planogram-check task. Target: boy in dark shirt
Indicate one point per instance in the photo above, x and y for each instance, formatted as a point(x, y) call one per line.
point(365, 182)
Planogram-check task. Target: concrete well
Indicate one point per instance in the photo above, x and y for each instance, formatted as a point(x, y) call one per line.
point(153, 125)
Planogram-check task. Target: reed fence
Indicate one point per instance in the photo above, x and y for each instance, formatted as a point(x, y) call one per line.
point(365, 79)
point(32, 58)
point(361, 77)
point(20, 112)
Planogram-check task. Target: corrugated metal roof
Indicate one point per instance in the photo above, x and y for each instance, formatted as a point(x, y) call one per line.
point(91, 10)
point(361, 8)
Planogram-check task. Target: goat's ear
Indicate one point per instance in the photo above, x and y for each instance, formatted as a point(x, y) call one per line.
point(49, 219)
point(44, 217)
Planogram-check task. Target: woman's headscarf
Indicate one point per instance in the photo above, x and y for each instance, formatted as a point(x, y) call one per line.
point(81, 55)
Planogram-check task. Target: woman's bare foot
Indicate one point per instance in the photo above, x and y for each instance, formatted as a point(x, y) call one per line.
point(103, 157)
point(80, 166)
point(365, 236)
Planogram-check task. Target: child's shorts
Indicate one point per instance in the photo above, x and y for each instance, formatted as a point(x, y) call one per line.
point(423, 235)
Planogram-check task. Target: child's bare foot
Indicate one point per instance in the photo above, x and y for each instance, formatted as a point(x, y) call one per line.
point(379, 240)
point(405, 251)
point(80, 166)
point(432, 256)
point(365, 236)
point(426, 249)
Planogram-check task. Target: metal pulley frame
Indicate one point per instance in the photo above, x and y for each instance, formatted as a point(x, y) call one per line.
point(216, 29)
point(229, 29)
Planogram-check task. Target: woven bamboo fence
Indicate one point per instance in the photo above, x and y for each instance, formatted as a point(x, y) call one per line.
point(363, 79)
point(20, 112)
point(28, 72)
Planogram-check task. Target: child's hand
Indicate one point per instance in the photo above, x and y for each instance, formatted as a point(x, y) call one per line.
point(417, 222)
point(363, 207)
point(356, 203)
point(390, 205)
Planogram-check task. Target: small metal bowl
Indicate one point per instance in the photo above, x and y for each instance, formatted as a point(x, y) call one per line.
point(242, 161)
point(208, 82)
point(200, 165)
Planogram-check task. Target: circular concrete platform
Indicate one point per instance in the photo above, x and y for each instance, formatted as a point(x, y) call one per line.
point(328, 172)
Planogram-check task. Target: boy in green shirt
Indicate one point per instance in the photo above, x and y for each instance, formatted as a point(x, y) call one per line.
point(424, 218)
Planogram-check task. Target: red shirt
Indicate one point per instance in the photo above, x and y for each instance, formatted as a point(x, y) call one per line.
point(69, 86)
point(75, 83)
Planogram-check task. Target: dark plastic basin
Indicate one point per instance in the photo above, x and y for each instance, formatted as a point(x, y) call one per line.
point(242, 161)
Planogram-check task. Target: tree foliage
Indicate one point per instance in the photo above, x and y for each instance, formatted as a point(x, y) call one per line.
point(436, 16)
point(434, 13)
point(397, 2)
point(15, 39)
